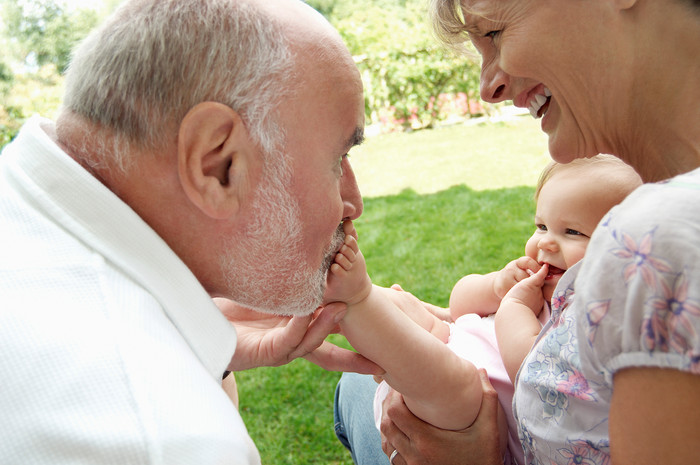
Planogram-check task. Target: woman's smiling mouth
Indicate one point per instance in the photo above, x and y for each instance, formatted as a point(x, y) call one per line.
point(540, 103)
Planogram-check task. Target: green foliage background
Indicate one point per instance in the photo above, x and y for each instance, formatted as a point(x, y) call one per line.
point(411, 82)
point(402, 65)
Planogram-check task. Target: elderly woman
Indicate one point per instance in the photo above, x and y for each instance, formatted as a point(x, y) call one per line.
point(613, 377)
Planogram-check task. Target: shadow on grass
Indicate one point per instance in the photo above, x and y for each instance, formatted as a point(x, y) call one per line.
point(423, 242)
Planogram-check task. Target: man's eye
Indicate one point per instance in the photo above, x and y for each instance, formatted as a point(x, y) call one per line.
point(492, 34)
point(340, 162)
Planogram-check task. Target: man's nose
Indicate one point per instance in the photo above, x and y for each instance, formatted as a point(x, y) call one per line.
point(350, 193)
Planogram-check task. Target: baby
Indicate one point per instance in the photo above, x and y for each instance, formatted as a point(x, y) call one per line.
point(437, 374)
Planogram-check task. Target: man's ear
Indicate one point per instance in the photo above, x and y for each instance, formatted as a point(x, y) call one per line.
point(212, 148)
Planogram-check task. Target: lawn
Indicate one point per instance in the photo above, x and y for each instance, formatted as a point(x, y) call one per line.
point(439, 204)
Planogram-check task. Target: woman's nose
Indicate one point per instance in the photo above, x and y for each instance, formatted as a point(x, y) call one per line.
point(495, 83)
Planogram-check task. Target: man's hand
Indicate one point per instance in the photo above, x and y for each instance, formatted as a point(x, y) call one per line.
point(418, 442)
point(271, 340)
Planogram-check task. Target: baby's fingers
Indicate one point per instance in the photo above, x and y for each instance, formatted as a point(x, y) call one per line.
point(528, 264)
point(539, 277)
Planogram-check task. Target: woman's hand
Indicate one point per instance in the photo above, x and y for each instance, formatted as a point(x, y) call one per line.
point(418, 442)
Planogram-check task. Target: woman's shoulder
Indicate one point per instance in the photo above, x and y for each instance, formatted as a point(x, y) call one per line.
point(670, 204)
point(638, 289)
point(683, 185)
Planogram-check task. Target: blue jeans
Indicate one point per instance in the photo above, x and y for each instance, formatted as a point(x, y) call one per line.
point(354, 419)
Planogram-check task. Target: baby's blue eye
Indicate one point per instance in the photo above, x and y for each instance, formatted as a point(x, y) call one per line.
point(573, 232)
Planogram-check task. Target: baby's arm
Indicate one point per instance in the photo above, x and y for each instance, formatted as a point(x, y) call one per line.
point(482, 294)
point(517, 326)
point(438, 386)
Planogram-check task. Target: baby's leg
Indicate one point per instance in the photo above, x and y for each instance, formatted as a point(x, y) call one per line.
point(417, 311)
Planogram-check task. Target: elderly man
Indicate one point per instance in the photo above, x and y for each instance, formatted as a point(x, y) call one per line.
point(198, 140)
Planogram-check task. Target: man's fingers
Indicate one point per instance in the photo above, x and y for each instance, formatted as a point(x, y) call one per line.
point(333, 358)
point(303, 334)
point(294, 333)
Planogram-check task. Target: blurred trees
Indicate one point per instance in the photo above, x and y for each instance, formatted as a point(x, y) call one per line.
point(411, 81)
point(45, 31)
point(37, 37)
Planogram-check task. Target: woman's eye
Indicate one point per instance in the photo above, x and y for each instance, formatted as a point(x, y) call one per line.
point(492, 34)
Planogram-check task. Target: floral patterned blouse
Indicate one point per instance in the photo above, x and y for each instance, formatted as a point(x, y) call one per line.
point(633, 301)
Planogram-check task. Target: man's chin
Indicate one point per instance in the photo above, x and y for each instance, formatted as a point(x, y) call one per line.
point(288, 307)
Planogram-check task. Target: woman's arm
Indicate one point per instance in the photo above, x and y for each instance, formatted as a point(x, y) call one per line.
point(655, 417)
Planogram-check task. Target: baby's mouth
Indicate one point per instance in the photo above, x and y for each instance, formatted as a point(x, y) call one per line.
point(540, 103)
point(554, 272)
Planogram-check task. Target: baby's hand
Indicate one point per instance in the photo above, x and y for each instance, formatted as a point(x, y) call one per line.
point(513, 273)
point(528, 291)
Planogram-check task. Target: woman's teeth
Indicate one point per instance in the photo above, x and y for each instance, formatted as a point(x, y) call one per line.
point(538, 102)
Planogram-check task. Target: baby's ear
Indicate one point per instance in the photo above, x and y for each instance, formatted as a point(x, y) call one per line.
point(214, 155)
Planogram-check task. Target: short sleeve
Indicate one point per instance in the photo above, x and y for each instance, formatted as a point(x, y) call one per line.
point(639, 286)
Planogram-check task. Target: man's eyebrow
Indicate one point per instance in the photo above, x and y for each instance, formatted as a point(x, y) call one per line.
point(357, 138)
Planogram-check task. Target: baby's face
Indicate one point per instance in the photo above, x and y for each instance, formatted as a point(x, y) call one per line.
point(568, 210)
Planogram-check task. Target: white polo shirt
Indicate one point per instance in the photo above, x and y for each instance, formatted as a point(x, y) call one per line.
point(111, 352)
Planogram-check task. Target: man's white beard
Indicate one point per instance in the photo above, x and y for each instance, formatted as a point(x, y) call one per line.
point(267, 269)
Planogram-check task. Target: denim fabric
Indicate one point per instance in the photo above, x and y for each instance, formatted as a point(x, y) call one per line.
point(354, 419)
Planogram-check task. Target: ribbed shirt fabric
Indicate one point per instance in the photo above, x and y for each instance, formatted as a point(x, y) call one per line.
point(111, 352)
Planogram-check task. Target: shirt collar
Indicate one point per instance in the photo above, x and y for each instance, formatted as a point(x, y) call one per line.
point(77, 201)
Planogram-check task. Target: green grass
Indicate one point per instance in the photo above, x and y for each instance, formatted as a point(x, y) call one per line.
point(483, 156)
point(438, 205)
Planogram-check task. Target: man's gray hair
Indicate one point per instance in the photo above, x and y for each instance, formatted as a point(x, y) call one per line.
point(153, 60)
